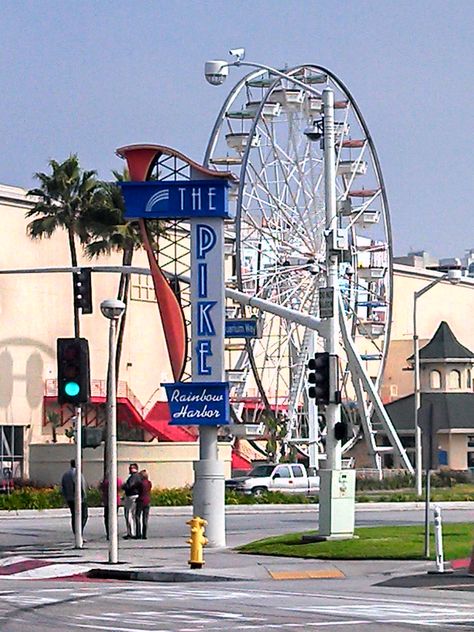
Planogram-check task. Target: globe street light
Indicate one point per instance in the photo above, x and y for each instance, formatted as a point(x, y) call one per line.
point(453, 276)
point(113, 310)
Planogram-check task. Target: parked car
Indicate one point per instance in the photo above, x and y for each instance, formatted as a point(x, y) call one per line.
point(290, 478)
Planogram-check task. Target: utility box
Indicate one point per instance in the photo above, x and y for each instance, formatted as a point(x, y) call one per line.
point(336, 503)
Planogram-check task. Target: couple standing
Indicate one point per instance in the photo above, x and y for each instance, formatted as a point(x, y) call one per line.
point(136, 503)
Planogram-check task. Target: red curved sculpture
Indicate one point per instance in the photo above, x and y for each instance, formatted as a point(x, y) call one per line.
point(140, 161)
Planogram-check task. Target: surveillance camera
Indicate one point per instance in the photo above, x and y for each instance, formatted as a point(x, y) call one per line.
point(112, 308)
point(312, 133)
point(216, 71)
point(454, 275)
point(238, 52)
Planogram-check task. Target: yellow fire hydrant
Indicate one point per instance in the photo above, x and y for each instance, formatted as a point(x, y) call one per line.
point(197, 541)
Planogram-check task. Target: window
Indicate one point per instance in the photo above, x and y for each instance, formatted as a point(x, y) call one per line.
point(470, 441)
point(435, 379)
point(284, 471)
point(142, 288)
point(297, 471)
point(455, 379)
point(469, 379)
point(11, 450)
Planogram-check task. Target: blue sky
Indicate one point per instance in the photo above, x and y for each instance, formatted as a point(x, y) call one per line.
point(88, 77)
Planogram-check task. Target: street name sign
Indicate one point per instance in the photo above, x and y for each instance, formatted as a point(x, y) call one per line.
point(326, 302)
point(242, 328)
point(198, 403)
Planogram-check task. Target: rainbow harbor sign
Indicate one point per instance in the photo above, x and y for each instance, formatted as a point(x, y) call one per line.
point(198, 403)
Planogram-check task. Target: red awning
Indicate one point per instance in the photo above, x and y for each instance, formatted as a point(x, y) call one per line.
point(157, 423)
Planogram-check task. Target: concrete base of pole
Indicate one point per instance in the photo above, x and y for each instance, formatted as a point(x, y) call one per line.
point(209, 499)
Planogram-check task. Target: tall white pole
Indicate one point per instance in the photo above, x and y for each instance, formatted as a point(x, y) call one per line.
point(112, 446)
point(333, 412)
point(78, 487)
point(337, 486)
point(417, 398)
point(207, 236)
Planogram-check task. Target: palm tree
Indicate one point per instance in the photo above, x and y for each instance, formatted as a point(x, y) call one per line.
point(64, 200)
point(109, 231)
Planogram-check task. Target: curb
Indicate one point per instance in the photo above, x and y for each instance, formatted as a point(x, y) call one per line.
point(241, 509)
point(159, 576)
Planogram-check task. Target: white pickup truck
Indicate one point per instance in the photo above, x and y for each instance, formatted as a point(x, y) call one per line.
point(290, 478)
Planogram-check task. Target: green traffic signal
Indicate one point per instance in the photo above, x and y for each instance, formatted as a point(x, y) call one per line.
point(73, 371)
point(72, 389)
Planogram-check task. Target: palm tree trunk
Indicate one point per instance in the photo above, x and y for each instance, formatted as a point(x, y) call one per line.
point(72, 250)
point(123, 296)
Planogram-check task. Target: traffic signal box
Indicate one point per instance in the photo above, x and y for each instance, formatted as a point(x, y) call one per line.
point(319, 378)
point(83, 290)
point(92, 437)
point(73, 371)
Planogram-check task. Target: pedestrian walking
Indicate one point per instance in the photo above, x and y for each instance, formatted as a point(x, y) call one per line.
point(68, 488)
point(131, 487)
point(143, 506)
point(104, 490)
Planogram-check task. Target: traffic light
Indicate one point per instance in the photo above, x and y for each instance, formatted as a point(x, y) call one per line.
point(92, 437)
point(73, 370)
point(340, 431)
point(83, 290)
point(319, 378)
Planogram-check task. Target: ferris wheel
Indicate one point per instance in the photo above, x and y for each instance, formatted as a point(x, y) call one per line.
point(269, 134)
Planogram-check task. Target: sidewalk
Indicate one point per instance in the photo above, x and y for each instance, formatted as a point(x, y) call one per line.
point(165, 559)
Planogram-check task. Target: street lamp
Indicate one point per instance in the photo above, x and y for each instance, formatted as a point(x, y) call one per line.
point(113, 310)
point(453, 276)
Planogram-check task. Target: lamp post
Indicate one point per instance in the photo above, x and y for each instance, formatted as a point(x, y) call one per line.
point(113, 310)
point(453, 276)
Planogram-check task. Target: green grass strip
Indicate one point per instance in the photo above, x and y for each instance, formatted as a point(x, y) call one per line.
point(377, 543)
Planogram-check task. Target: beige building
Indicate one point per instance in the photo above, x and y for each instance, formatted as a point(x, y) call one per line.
point(36, 309)
point(451, 303)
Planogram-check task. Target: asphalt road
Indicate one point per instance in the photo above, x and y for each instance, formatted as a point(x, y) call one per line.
point(357, 602)
point(322, 605)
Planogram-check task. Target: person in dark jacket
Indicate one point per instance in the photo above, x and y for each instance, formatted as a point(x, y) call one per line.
point(143, 506)
point(131, 487)
point(68, 488)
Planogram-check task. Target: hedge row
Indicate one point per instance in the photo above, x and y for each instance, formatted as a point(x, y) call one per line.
point(51, 498)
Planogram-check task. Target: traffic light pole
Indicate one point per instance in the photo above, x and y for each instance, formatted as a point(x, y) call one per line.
point(337, 486)
point(78, 487)
point(333, 410)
